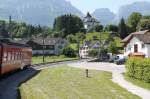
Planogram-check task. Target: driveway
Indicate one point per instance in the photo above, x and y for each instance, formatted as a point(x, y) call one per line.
point(117, 76)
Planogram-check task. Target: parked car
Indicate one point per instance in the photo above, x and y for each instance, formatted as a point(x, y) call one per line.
point(113, 58)
point(120, 61)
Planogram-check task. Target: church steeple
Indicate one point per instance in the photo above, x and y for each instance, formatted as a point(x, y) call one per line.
point(89, 15)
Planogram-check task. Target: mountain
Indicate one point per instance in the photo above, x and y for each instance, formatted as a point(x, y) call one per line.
point(104, 15)
point(41, 12)
point(126, 10)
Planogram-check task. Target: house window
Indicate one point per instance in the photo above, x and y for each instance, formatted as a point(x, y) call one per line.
point(135, 48)
point(124, 49)
point(129, 47)
point(143, 45)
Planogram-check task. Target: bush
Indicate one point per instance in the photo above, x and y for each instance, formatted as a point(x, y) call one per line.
point(69, 52)
point(138, 68)
point(94, 52)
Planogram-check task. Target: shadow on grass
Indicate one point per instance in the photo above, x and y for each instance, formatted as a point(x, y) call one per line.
point(9, 83)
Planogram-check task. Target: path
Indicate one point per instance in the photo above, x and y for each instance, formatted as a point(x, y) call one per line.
point(117, 76)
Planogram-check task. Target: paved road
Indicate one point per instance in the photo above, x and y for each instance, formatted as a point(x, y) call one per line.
point(117, 76)
point(9, 84)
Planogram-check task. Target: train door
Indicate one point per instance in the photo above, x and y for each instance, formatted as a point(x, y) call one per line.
point(1, 58)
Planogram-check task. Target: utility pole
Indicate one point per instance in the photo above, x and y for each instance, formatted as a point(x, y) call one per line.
point(43, 49)
point(10, 34)
point(100, 47)
point(78, 46)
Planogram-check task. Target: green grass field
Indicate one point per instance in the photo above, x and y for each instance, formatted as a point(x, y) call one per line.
point(104, 36)
point(65, 82)
point(39, 59)
point(137, 82)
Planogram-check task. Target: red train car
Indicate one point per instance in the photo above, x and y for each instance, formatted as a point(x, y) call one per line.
point(14, 56)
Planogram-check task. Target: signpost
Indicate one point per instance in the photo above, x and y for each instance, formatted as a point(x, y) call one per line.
point(87, 73)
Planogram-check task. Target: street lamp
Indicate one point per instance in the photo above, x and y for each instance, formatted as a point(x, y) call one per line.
point(84, 31)
point(43, 49)
point(100, 46)
point(43, 36)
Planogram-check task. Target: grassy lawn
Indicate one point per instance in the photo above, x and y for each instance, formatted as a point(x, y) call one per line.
point(39, 59)
point(104, 36)
point(70, 83)
point(137, 82)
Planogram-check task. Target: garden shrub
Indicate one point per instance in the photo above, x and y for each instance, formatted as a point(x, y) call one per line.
point(139, 68)
point(69, 52)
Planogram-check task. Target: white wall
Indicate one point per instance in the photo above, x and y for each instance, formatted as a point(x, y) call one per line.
point(41, 51)
point(130, 47)
point(84, 52)
point(148, 50)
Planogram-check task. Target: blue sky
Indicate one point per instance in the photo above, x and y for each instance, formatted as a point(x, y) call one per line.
point(91, 5)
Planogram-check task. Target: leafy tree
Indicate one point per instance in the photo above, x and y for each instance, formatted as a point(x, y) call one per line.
point(69, 52)
point(80, 36)
point(99, 28)
point(71, 24)
point(122, 29)
point(95, 37)
point(113, 48)
point(133, 20)
point(144, 23)
point(71, 38)
point(111, 28)
point(3, 30)
point(23, 30)
point(94, 52)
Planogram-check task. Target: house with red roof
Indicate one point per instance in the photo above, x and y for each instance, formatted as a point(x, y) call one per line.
point(137, 44)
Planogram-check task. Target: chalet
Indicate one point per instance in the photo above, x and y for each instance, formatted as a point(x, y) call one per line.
point(86, 47)
point(89, 22)
point(52, 46)
point(137, 44)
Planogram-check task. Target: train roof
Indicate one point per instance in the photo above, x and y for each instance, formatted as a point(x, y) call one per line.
point(13, 42)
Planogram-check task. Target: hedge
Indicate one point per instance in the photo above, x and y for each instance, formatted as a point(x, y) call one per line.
point(139, 68)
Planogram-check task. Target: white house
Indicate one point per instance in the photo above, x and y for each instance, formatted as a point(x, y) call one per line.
point(52, 46)
point(137, 44)
point(89, 22)
point(85, 48)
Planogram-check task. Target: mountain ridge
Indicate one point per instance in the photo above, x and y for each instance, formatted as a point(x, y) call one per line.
point(44, 12)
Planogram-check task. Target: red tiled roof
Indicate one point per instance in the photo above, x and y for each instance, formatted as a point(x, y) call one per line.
point(133, 34)
point(141, 35)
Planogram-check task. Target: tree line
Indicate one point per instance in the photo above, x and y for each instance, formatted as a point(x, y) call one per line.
point(135, 22)
point(22, 30)
point(69, 24)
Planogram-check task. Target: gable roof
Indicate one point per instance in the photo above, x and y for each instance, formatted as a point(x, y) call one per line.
point(141, 35)
point(144, 38)
point(13, 42)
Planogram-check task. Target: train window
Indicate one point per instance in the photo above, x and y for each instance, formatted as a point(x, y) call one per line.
point(9, 56)
point(12, 55)
point(21, 56)
point(17, 55)
point(4, 56)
